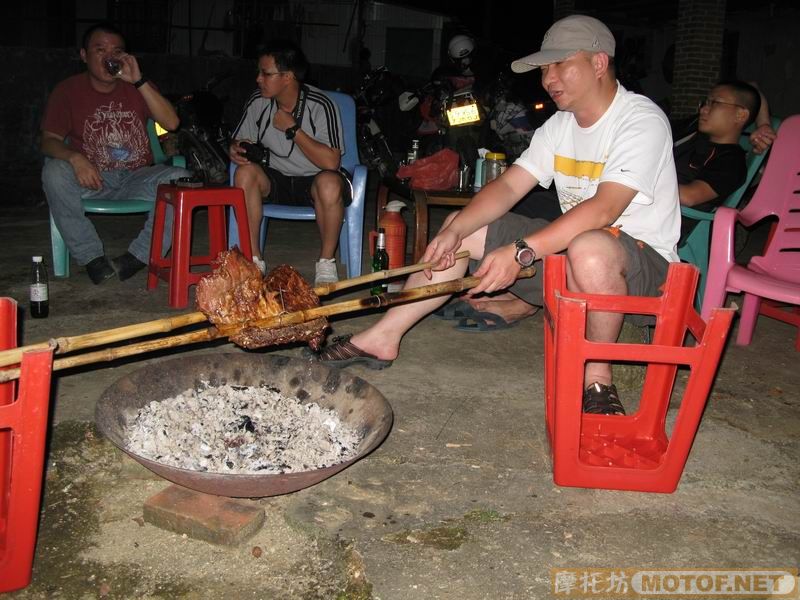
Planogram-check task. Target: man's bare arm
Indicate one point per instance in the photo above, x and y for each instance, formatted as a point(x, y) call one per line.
point(86, 173)
point(697, 192)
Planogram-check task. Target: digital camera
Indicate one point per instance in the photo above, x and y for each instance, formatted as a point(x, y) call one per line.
point(255, 153)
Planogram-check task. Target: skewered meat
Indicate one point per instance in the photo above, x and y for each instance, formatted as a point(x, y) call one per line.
point(235, 294)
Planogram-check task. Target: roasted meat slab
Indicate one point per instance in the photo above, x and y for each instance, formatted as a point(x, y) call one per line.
point(235, 294)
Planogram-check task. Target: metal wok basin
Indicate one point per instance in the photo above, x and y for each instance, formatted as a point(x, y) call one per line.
point(355, 401)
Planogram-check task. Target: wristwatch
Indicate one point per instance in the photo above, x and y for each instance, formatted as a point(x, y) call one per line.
point(292, 131)
point(525, 255)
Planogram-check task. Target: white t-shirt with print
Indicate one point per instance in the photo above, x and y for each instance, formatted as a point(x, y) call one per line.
point(631, 144)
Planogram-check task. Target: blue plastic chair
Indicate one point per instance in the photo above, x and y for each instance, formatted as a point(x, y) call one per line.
point(695, 249)
point(95, 205)
point(351, 237)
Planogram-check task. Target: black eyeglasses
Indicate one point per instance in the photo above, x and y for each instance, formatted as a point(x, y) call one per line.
point(712, 102)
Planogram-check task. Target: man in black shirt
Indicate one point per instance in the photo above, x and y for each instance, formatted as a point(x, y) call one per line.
point(710, 163)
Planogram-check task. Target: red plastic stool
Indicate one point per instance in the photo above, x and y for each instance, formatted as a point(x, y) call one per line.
point(177, 268)
point(630, 452)
point(23, 429)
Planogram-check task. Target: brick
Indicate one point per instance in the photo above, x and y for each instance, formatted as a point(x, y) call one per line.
point(215, 519)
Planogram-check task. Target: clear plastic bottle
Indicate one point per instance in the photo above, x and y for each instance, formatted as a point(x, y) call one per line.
point(40, 301)
point(380, 261)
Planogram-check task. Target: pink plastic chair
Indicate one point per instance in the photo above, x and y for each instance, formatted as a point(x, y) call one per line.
point(775, 276)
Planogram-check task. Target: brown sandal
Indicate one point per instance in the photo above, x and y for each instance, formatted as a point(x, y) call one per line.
point(341, 353)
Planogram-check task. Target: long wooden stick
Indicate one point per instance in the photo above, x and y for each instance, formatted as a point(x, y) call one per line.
point(300, 316)
point(386, 299)
point(107, 336)
point(110, 336)
point(327, 288)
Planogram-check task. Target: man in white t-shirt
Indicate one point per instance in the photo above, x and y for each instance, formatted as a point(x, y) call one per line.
point(609, 153)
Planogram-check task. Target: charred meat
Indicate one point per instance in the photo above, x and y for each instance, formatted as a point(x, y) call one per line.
point(236, 294)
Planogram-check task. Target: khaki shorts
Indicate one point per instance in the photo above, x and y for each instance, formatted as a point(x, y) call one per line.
point(645, 276)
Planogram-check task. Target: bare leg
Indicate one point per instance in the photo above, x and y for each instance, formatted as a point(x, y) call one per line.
point(383, 338)
point(254, 182)
point(596, 264)
point(327, 194)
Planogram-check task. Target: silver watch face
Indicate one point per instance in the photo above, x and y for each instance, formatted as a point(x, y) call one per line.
point(526, 257)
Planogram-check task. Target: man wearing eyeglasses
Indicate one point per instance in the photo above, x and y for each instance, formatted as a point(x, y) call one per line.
point(288, 147)
point(711, 164)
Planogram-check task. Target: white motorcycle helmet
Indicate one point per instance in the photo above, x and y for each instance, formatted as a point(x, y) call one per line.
point(460, 47)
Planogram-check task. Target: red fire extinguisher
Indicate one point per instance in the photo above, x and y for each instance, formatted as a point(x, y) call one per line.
point(395, 228)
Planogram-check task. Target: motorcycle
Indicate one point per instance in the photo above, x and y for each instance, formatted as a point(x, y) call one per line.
point(452, 114)
point(510, 121)
point(203, 136)
point(375, 100)
point(449, 116)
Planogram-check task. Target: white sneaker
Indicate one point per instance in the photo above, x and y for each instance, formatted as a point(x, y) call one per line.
point(325, 271)
point(262, 266)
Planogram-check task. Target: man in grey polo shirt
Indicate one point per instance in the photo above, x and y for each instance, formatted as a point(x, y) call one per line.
point(299, 132)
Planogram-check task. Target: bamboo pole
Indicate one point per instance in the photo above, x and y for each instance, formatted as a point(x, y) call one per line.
point(109, 336)
point(300, 316)
point(108, 354)
point(381, 300)
point(327, 288)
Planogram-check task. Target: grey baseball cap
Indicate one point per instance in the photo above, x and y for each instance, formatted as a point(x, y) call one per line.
point(566, 37)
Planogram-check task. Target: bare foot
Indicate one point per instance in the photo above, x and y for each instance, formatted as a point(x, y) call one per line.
point(377, 344)
point(508, 306)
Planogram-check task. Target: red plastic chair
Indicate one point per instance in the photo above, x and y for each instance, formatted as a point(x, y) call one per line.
point(23, 429)
point(176, 269)
point(632, 452)
point(775, 276)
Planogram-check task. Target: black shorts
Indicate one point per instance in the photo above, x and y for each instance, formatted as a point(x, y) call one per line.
point(296, 190)
point(645, 276)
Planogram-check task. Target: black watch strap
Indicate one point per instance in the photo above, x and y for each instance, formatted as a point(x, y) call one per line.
point(140, 83)
point(292, 131)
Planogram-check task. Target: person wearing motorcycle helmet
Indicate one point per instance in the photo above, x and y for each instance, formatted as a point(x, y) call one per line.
point(460, 49)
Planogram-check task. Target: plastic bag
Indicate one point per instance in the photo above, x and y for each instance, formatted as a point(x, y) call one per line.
point(435, 172)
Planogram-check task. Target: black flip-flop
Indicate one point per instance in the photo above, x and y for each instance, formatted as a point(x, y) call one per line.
point(455, 311)
point(483, 322)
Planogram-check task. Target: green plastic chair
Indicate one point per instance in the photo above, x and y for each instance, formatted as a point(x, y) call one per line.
point(94, 205)
point(695, 249)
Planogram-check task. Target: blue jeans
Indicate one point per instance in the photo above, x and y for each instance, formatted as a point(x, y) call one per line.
point(64, 195)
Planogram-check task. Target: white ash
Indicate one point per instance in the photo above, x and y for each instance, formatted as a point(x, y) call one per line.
point(239, 429)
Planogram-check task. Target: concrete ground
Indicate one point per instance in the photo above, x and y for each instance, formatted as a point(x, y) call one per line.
point(458, 502)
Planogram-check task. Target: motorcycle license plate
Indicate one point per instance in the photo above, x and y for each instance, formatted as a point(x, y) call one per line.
point(461, 115)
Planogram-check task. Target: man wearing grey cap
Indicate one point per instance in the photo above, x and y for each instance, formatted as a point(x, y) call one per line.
point(609, 153)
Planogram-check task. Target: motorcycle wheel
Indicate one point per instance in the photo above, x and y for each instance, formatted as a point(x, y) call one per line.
point(203, 156)
point(376, 154)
